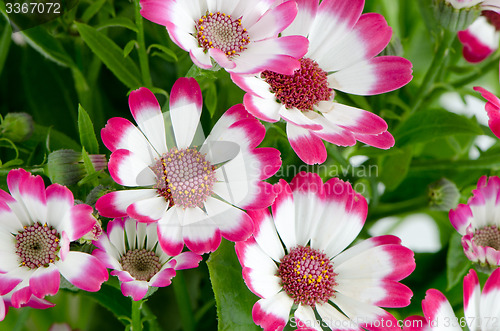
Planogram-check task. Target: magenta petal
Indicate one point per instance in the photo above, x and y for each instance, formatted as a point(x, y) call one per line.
point(187, 260)
point(474, 50)
point(221, 58)
point(135, 289)
point(45, 281)
point(80, 222)
point(8, 283)
point(163, 278)
point(123, 276)
point(83, 270)
point(309, 147)
point(21, 297)
point(383, 140)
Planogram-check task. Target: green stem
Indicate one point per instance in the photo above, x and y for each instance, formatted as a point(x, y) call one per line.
point(143, 56)
point(136, 315)
point(479, 71)
point(34, 170)
point(395, 208)
point(182, 297)
point(485, 162)
point(445, 42)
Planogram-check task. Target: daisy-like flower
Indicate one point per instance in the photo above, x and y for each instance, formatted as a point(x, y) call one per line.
point(193, 193)
point(342, 46)
point(240, 35)
point(478, 222)
point(297, 256)
point(492, 109)
point(37, 226)
point(33, 302)
point(131, 249)
point(481, 38)
point(480, 308)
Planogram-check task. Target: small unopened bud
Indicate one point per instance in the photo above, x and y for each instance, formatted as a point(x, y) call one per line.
point(17, 127)
point(65, 166)
point(443, 195)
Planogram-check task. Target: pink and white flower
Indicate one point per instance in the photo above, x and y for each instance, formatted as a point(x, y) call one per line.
point(343, 44)
point(33, 302)
point(492, 109)
point(240, 35)
point(37, 225)
point(478, 222)
point(481, 38)
point(480, 308)
point(194, 194)
point(298, 256)
point(131, 249)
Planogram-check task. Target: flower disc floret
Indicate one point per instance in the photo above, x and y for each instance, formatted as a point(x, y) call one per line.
point(302, 90)
point(184, 177)
point(307, 276)
point(220, 31)
point(141, 264)
point(488, 236)
point(37, 245)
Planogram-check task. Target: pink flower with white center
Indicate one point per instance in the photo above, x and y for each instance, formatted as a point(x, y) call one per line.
point(37, 225)
point(341, 56)
point(195, 194)
point(240, 35)
point(492, 109)
point(131, 249)
point(298, 256)
point(33, 302)
point(481, 38)
point(480, 308)
point(478, 222)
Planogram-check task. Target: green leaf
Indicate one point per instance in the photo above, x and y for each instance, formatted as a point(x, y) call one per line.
point(92, 10)
point(427, 125)
point(395, 168)
point(111, 55)
point(234, 299)
point(210, 98)
point(87, 134)
point(129, 47)
point(5, 44)
point(457, 263)
point(122, 22)
point(54, 139)
point(112, 299)
point(168, 54)
point(44, 43)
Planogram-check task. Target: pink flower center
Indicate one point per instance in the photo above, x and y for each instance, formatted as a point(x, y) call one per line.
point(493, 18)
point(307, 276)
point(220, 31)
point(37, 245)
point(141, 264)
point(184, 177)
point(488, 236)
point(302, 90)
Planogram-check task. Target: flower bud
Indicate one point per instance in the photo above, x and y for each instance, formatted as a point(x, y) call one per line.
point(443, 195)
point(65, 166)
point(17, 127)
